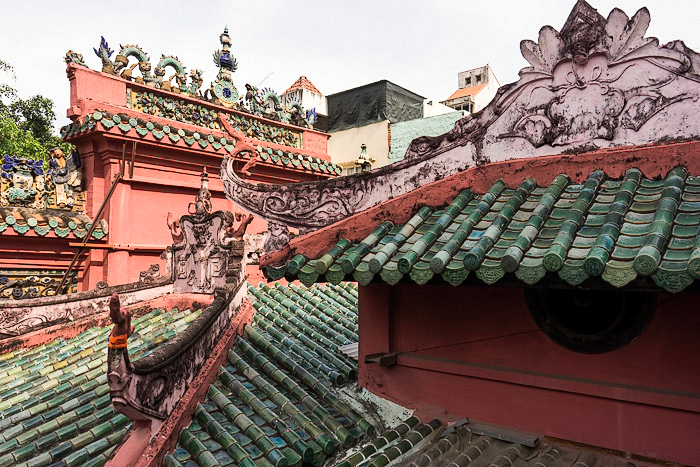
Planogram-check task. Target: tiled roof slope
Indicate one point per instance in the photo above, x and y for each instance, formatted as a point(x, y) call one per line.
point(464, 92)
point(303, 83)
point(203, 140)
point(54, 399)
point(413, 445)
point(273, 402)
point(62, 223)
point(618, 230)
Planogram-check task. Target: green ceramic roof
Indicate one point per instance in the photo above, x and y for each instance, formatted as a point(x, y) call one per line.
point(202, 140)
point(412, 444)
point(620, 230)
point(41, 222)
point(393, 445)
point(403, 133)
point(274, 401)
point(54, 402)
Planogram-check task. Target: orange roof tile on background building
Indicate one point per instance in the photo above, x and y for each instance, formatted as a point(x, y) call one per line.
point(465, 92)
point(303, 83)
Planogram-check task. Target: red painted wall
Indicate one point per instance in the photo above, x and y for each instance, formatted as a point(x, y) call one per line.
point(166, 178)
point(477, 352)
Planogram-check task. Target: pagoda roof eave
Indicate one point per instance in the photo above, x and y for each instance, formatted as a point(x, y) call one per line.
point(134, 125)
point(653, 162)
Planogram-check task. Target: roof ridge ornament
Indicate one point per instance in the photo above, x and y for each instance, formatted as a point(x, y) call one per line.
point(223, 91)
point(597, 83)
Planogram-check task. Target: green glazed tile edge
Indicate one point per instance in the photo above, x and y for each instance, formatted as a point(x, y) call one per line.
point(672, 281)
point(619, 277)
point(572, 275)
point(490, 274)
point(530, 274)
point(391, 277)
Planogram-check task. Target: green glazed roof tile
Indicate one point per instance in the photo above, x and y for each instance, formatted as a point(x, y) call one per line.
point(56, 407)
point(274, 401)
point(41, 222)
point(612, 229)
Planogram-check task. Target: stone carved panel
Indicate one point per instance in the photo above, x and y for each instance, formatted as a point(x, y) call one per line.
point(598, 83)
point(206, 258)
point(151, 387)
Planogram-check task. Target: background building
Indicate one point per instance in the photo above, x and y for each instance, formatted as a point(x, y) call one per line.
point(305, 93)
point(476, 89)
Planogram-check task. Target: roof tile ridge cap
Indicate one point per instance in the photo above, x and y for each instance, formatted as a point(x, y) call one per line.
point(556, 254)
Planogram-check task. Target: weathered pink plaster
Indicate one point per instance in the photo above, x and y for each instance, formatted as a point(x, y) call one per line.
point(597, 83)
point(653, 160)
point(476, 352)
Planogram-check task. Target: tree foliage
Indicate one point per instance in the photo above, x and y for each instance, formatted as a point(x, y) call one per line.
point(26, 125)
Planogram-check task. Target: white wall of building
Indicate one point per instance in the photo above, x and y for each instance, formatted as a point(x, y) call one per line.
point(432, 108)
point(308, 99)
point(344, 146)
point(487, 94)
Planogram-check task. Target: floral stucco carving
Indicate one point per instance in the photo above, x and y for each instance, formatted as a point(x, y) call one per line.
point(597, 83)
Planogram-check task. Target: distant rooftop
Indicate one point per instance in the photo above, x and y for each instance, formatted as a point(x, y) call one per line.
point(303, 83)
point(465, 92)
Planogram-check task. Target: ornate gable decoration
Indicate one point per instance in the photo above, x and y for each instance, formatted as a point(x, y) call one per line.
point(208, 250)
point(133, 64)
point(597, 83)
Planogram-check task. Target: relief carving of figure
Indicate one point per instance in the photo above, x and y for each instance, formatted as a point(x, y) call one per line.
point(174, 227)
point(277, 237)
point(22, 181)
point(66, 175)
point(121, 317)
point(238, 232)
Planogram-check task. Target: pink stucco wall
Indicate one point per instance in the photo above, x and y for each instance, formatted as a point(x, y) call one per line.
point(476, 352)
point(166, 178)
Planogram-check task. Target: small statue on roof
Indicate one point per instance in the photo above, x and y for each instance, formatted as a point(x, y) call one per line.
point(65, 174)
point(202, 204)
point(236, 233)
point(121, 317)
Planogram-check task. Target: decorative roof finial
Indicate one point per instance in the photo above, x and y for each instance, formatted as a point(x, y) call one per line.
point(202, 204)
point(584, 30)
point(223, 90)
point(364, 161)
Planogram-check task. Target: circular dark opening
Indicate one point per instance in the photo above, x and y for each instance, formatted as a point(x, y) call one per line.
point(591, 321)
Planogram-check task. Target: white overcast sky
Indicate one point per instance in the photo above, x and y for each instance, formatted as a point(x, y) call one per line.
point(420, 45)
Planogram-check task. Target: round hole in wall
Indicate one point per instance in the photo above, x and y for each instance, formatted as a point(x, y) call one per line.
point(591, 321)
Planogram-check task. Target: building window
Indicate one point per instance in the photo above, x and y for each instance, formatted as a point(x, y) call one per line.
point(591, 321)
point(478, 79)
point(467, 80)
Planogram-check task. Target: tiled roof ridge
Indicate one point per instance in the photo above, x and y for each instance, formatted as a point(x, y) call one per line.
point(203, 139)
point(62, 223)
point(468, 91)
point(302, 83)
point(652, 160)
point(615, 229)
